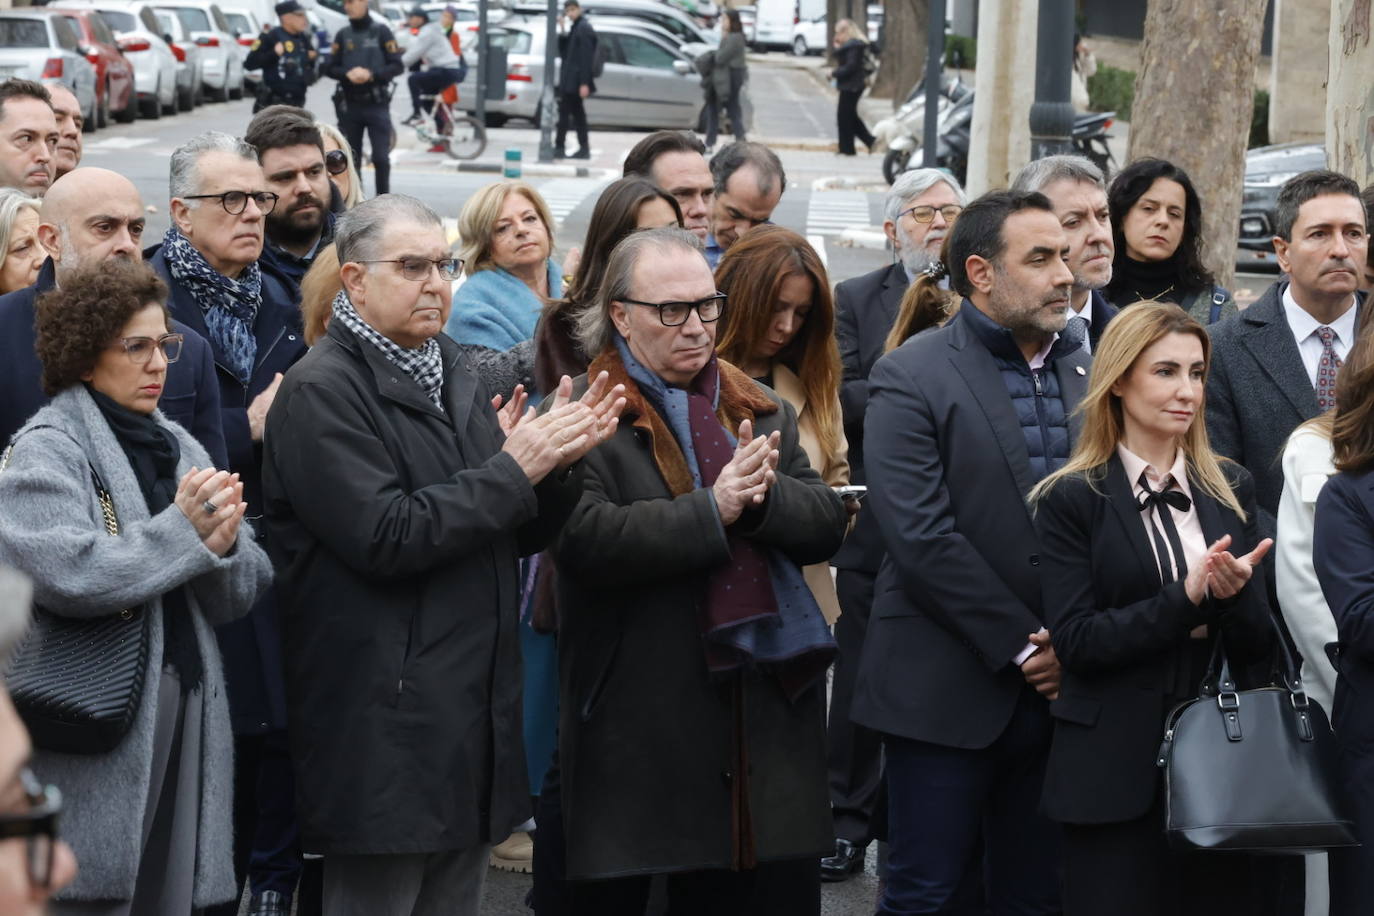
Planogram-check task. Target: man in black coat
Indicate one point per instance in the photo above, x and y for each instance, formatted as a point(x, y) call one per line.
point(915, 209)
point(91, 215)
point(961, 423)
point(291, 152)
point(209, 258)
point(397, 556)
point(575, 81)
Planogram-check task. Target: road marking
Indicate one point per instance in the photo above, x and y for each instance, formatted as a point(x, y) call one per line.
point(832, 212)
point(564, 195)
point(818, 243)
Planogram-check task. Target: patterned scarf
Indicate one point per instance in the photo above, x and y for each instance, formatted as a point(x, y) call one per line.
point(424, 364)
point(230, 306)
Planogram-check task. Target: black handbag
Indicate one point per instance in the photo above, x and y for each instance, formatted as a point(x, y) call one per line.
point(1252, 769)
point(77, 681)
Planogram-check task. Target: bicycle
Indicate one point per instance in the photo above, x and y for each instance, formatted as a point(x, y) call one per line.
point(443, 129)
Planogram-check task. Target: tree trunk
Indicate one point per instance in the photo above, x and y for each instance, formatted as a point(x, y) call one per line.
point(904, 49)
point(1350, 92)
point(1194, 96)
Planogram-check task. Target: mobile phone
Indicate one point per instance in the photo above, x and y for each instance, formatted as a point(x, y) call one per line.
point(854, 492)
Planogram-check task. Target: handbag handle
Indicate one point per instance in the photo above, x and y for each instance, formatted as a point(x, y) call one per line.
point(1219, 683)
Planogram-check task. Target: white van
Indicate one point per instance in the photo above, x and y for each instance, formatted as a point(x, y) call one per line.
point(774, 20)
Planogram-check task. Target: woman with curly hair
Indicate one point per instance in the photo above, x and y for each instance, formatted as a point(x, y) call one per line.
point(149, 819)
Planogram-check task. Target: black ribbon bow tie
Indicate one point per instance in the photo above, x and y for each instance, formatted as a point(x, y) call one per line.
point(1175, 498)
point(1168, 545)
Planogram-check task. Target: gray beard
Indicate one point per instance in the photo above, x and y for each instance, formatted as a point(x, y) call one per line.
point(914, 258)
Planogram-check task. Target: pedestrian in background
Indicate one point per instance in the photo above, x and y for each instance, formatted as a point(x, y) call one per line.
point(576, 82)
point(729, 71)
point(851, 79)
point(1156, 218)
point(148, 819)
point(364, 58)
point(286, 56)
point(1135, 610)
point(21, 256)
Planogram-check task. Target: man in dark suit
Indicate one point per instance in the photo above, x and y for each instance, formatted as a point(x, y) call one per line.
point(916, 221)
point(962, 422)
point(1273, 365)
point(576, 81)
point(1078, 191)
point(92, 215)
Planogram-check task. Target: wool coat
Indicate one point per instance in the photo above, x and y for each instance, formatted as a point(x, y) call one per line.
point(51, 528)
point(396, 529)
point(659, 760)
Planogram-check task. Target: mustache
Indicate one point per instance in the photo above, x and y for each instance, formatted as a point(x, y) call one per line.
point(307, 201)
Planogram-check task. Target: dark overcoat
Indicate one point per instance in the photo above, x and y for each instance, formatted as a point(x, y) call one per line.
point(396, 532)
point(649, 743)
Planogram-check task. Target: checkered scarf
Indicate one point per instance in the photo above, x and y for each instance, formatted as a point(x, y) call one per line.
point(230, 306)
point(424, 364)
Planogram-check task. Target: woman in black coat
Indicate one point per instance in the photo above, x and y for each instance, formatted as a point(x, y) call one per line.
point(1148, 546)
point(851, 80)
point(1343, 554)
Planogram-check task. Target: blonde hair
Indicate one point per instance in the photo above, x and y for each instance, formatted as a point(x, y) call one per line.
point(851, 29)
point(478, 219)
point(355, 183)
point(1131, 333)
point(924, 305)
point(319, 286)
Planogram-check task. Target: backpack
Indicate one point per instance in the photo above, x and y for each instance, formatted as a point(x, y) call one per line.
point(1219, 297)
point(870, 63)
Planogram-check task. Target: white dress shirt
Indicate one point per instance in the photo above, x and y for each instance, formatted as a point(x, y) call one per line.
point(1304, 328)
point(1086, 313)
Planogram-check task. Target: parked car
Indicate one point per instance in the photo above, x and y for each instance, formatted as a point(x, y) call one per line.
point(808, 36)
point(37, 44)
point(647, 82)
point(114, 75)
point(140, 37)
point(678, 23)
point(1266, 170)
point(223, 75)
point(190, 60)
point(774, 21)
point(246, 29)
point(748, 20)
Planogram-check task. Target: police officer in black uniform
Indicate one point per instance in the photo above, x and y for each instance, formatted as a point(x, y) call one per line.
point(365, 59)
point(286, 56)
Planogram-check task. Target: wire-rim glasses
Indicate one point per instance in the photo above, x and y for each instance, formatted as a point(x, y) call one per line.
point(675, 313)
point(417, 269)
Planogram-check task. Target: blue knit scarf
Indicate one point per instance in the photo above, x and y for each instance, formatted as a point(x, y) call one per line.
point(230, 306)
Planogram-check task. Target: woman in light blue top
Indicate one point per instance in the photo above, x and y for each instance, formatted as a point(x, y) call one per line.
point(507, 235)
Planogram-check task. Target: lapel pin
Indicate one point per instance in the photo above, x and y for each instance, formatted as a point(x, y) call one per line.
point(1080, 370)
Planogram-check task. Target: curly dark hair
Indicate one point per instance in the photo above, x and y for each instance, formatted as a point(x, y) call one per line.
point(78, 321)
point(1129, 186)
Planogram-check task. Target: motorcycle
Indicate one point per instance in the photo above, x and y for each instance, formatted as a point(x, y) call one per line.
point(902, 132)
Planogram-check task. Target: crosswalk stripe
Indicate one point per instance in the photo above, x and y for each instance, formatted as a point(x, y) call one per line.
point(832, 212)
point(564, 195)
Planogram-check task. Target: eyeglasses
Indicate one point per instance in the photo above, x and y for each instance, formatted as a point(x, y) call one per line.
point(336, 162)
point(140, 349)
point(418, 268)
point(235, 202)
point(923, 213)
point(37, 826)
point(673, 314)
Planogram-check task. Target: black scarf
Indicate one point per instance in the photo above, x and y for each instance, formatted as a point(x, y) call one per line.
point(1134, 281)
point(153, 454)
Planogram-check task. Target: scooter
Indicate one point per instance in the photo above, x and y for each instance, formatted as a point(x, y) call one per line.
point(903, 131)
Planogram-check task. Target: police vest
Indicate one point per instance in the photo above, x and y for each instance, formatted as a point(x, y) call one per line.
point(362, 48)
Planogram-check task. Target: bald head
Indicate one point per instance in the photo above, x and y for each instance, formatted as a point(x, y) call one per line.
point(91, 215)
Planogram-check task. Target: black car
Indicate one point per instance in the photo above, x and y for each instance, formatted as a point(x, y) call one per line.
point(1266, 169)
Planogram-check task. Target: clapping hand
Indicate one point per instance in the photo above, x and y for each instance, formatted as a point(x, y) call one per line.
point(744, 482)
point(509, 416)
point(1221, 574)
point(212, 502)
point(568, 430)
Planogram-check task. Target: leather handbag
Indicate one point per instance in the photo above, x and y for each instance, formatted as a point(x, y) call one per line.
point(77, 681)
point(1252, 769)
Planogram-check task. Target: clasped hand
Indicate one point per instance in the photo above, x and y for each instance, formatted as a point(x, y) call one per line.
point(1222, 575)
point(565, 432)
point(744, 482)
point(201, 487)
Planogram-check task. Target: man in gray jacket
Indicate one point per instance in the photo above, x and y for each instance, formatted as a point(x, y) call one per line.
point(444, 67)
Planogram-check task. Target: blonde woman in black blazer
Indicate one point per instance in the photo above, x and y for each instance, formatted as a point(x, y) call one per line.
point(1133, 602)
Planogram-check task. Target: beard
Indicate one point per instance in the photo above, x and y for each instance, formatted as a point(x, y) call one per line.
point(295, 227)
point(1027, 318)
point(1100, 277)
point(916, 257)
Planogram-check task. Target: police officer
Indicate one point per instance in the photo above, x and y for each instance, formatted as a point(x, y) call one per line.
point(286, 55)
point(365, 59)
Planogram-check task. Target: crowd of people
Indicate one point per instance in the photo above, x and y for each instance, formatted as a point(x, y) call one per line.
point(698, 570)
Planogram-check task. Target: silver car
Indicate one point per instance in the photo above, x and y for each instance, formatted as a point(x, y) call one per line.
point(244, 24)
point(141, 39)
point(190, 60)
point(223, 66)
point(647, 81)
point(35, 44)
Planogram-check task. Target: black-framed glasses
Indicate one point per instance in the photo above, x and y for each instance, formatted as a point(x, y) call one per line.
point(924, 213)
point(37, 827)
point(235, 202)
point(418, 268)
point(674, 313)
point(336, 162)
point(140, 349)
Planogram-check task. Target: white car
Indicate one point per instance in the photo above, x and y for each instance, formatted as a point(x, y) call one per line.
point(246, 28)
point(205, 21)
point(140, 37)
point(190, 60)
point(808, 37)
point(38, 45)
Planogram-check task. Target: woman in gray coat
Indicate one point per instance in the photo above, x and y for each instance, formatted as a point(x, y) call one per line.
point(149, 820)
point(726, 79)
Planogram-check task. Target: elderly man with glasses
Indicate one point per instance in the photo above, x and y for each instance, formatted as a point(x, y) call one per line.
point(692, 737)
point(245, 308)
point(399, 503)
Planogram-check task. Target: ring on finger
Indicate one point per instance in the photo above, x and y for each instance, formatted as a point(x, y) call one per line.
point(209, 507)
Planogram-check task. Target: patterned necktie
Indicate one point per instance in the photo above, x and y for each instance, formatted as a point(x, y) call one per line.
point(1169, 541)
point(1326, 369)
point(1083, 330)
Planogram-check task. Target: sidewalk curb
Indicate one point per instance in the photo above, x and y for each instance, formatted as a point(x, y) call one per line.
point(532, 169)
point(870, 237)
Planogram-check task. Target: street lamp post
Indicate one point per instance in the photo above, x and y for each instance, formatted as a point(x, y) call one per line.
point(547, 108)
point(935, 52)
point(483, 46)
point(1051, 117)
